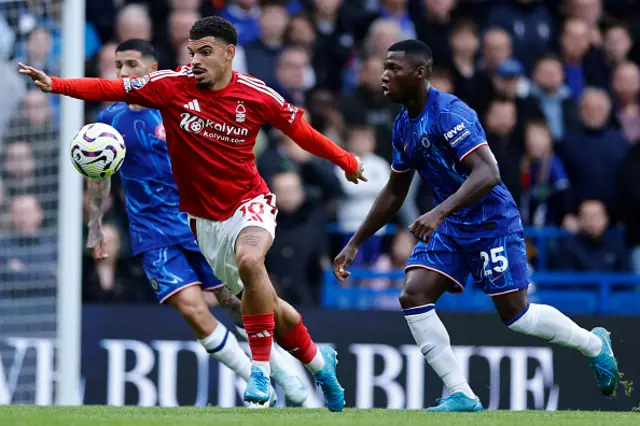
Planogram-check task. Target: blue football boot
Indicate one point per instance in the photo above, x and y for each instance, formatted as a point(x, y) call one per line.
point(457, 403)
point(259, 393)
point(328, 381)
point(604, 365)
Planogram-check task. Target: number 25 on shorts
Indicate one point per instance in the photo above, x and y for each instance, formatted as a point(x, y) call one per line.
point(499, 263)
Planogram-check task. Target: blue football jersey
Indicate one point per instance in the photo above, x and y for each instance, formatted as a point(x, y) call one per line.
point(150, 191)
point(434, 144)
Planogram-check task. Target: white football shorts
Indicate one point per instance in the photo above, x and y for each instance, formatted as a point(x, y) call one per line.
point(217, 240)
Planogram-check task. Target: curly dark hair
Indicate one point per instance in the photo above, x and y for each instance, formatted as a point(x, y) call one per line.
point(214, 26)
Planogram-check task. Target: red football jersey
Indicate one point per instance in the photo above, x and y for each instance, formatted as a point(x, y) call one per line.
point(211, 134)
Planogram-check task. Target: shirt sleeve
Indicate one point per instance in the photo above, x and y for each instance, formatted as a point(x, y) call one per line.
point(399, 162)
point(150, 91)
point(461, 130)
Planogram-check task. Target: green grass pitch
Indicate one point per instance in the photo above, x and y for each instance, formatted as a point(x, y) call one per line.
point(137, 416)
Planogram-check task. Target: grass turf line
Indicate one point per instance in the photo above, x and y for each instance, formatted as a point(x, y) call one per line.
point(183, 416)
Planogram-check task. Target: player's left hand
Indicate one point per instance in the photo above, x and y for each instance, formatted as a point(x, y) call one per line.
point(358, 175)
point(426, 224)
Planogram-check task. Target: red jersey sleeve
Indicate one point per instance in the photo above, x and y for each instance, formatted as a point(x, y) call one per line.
point(288, 118)
point(149, 91)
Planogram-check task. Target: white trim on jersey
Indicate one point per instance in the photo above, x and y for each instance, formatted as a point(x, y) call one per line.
point(159, 75)
point(261, 88)
point(262, 84)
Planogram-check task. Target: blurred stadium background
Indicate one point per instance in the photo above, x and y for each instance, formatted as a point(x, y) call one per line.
point(555, 83)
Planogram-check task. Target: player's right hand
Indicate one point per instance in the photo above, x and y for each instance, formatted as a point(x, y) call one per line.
point(99, 252)
point(358, 174)
point(41, 80)
point(342, 262)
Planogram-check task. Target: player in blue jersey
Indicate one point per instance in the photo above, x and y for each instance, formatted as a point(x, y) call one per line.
point(178, 272)
point(475, 228)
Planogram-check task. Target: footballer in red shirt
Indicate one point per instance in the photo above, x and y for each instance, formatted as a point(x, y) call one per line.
point(212, 116)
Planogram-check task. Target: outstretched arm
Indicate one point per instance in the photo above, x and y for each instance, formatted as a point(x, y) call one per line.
point(382, 212)
point(138, 90)
point(98, 191)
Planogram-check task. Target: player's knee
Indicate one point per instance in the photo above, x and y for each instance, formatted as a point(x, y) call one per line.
point(193, 311)
point(413, 295)
point(249, 261)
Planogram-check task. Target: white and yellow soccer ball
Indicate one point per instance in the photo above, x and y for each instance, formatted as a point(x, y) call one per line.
point(98, 150)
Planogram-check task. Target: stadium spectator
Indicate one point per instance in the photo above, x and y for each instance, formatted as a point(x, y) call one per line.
point(180, 22)
point(19, 171)
point(496, 48)
point(381, 35)
point(581, 64)
point(28, 253)
point(626, 90)
point(39, 51)
point(292, 66)
point(133, 21)
point(545, 195)
point(324, 108)
point(594, 152)
point(295, 264)
point(465, 43)
point(616, 47)
point(113, 279)
point(399, 11)
point(262, 54)
point(358, 199)
point(434, 28)
point(301, 33)
point(530, 25)
point(593, 248)
point(106, 61)
point(554, 97)
point(334, 42)
point(244, 15)
point(510, 82)
point(500, 124)
point(369, 106)
point(591, 12)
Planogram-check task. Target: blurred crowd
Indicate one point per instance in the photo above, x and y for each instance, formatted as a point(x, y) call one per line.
point(555, 83)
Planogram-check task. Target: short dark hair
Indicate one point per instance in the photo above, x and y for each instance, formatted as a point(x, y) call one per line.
point(214, 26)
point(417, 50)
point(145, 48)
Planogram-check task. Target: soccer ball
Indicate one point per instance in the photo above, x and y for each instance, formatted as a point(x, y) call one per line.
point(98, 150)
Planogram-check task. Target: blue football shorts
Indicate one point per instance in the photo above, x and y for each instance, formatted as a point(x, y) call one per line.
point(498, 264)
point(171, 269)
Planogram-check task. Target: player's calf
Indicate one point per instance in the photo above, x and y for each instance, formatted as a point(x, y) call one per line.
point(212, 335)
point(549, 324)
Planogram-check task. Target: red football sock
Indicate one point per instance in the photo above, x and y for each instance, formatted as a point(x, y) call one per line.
point(298, 343)
point(259, 329)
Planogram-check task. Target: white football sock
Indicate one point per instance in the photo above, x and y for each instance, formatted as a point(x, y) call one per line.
point(548, 323)
point(223, 346)
point(316, 364)
point(433, 340)
point(242, 332)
